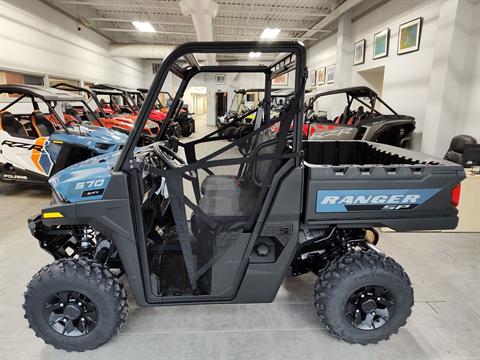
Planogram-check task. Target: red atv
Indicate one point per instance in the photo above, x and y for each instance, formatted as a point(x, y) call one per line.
point(361, 118)
point(184, 118)
point(129, 103)
point(109, 117)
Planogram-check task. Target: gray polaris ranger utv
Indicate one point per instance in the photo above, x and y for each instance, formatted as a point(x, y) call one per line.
point(229, 227)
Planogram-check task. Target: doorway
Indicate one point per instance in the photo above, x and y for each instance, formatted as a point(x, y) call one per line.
point(220, 103)
point(373, 78)
point(199, 99)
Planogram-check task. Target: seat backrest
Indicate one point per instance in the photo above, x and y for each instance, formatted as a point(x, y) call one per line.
point(266, 144)
point(455, 150)
point(41, 125)
point(357, 116)
point(11, 125)
point(73, 112)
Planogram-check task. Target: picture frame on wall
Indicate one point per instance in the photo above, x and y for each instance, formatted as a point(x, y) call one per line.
point(409, 34)
point(331, 74)
point(313, 78)
point(281, 80)
point(359, 52)
point(220, 79)
point(381, 42)
point(321, 76)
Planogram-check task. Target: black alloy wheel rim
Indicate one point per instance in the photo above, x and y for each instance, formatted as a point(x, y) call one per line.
point(70, 313)
point(370, 307)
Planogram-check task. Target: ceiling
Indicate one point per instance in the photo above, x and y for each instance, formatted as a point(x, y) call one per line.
point(305, 20)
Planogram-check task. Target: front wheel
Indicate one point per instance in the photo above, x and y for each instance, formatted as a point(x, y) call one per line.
point(363, 297)
point(75, 304)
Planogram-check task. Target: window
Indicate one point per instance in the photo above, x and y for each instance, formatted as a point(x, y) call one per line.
point(57, 80)
point(10, 77)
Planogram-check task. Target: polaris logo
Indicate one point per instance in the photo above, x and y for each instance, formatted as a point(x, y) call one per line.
point(368, 200)
point(372, 199)
point(15, 177)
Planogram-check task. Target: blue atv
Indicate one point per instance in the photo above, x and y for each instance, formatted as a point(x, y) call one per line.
point(44, 130)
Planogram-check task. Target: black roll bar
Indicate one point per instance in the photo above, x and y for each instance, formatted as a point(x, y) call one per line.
point(294, 48)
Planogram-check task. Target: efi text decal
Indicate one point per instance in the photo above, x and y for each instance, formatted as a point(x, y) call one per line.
point(378, 199)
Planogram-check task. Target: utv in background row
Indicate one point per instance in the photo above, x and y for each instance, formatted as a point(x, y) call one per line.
point(284, 206)
point(361, 118)
point(39, 134)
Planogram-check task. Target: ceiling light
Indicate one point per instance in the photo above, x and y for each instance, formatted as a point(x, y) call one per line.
point(270, 33)
point(254, 54)
point(143, 26)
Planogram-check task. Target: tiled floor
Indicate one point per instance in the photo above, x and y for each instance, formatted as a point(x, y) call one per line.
point(445, 323)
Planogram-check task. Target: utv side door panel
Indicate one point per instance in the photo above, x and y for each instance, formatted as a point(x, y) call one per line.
point(26, 153)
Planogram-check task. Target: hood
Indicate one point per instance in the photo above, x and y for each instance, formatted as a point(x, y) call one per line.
point(96, 138)
point(86, 180)
point(107, 135)
point(157, 115)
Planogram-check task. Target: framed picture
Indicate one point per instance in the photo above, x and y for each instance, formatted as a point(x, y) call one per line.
point(409, 36)
point(313, 78)
point(220, 79)
point(321, 76)
point(281, 80)
point(359, 52)
point(330, 74)
point(380, 44)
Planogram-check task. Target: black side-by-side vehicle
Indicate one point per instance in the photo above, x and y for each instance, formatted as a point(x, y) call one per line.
point(228, 227)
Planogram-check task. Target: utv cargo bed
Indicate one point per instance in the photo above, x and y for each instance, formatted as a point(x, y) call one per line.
point(361, 184)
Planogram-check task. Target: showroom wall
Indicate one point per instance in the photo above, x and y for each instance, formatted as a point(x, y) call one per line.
point(37, 39)
point(469, 105)
point(420, 83)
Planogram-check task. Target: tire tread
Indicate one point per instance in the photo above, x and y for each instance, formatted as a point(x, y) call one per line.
point(92, 271)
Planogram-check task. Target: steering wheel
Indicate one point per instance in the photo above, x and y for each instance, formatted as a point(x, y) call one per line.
point(171, 159)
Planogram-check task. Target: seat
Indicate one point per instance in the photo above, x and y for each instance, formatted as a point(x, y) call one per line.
point(219, 182)
point(41, 125)
point(70, 110)
point(457, 145)
point(233, 198)
point(357, 116)
point(11, 125)
point(230, 204)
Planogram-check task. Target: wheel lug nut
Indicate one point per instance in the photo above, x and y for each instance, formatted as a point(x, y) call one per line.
point(362, 296)
point(61, 304)
point(357, 311)
point(378, 299)
point(83, 319)
point(79, 303)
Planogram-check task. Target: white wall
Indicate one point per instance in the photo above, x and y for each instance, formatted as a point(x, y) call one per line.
point(411, 81)
point(35, 38)
point(469, 109)
point(407, 76)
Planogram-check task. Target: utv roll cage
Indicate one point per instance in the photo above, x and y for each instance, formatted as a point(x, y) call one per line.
point(90, 93)
point(354, 93)
point(284, 154)
point(144, 92)
point(295, 59)
point(129, 94)
point(48, 95)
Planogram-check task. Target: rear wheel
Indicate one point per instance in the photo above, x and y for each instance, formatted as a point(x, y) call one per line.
point(363, 297)
point(75, 304)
